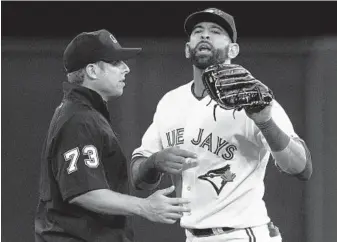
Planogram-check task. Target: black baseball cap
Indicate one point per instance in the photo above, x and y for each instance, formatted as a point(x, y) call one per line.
point(213, 15)
point(91, 47)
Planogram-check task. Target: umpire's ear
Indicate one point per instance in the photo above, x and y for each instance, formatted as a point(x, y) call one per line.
point(91, 70)
point(187, 50)
point(233, 50)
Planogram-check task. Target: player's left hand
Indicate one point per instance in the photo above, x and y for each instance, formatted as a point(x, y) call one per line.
point(258, 115)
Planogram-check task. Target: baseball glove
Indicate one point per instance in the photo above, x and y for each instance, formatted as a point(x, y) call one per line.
point(233, 87)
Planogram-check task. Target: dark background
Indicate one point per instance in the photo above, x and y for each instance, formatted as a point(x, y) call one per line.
point(157, 19)
point(290, 46)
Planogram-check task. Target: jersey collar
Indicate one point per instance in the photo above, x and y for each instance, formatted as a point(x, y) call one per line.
point(86, 96)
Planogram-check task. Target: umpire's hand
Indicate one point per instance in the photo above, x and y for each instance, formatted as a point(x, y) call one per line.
point(160, 208)
point(173, 160)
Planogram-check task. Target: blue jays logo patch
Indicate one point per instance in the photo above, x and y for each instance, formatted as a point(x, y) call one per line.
point(218, 178)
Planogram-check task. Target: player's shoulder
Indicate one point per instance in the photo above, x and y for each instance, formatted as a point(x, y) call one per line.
point(175, 94)
point(277, 107)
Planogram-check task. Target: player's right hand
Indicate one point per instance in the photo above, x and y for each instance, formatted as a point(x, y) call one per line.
point(162, 209)
point(173, 160)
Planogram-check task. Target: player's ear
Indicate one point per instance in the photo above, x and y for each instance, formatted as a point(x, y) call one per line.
point(91, 70)
point(233, 50)
point(187, 50)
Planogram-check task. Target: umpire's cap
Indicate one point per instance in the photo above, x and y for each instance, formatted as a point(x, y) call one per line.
point(214, 15)
point(91, 47)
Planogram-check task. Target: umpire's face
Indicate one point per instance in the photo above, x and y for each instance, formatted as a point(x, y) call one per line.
point(110, 78)
point(209, 44)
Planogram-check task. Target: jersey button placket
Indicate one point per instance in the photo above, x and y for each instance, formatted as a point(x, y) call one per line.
point(188, 187)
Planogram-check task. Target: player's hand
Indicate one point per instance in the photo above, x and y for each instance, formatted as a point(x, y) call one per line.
point(160, 208)
point(260, 116)
point(173, 160)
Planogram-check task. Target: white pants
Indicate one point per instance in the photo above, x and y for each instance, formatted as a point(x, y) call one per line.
point(253, 234)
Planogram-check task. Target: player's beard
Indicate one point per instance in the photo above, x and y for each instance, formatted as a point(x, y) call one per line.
point(204, 61)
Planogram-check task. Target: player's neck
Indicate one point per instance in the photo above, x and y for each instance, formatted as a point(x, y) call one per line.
point(199, 88)
point(198, 84)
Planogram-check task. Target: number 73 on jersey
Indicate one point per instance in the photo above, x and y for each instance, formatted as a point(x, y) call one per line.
point(73, 155)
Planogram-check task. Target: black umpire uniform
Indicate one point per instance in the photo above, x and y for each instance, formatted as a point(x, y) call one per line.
point(81, 153)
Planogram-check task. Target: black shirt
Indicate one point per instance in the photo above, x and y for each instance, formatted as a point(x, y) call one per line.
point(81, 153)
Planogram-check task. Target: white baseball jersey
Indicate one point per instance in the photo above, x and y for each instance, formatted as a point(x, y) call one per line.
point(226, 188)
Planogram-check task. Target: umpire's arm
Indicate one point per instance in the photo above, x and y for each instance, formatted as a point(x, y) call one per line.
point(144, 175)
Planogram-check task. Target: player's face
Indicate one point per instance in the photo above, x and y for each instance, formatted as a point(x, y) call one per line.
point(111, 78)
point(208, 45)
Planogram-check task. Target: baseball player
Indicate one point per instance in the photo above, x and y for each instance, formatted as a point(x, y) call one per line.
point(224, 179)
point(84, 179)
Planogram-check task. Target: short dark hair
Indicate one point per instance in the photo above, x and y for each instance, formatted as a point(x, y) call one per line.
point(76, 77)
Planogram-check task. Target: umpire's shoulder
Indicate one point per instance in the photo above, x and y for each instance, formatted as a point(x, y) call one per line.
point(85, 124)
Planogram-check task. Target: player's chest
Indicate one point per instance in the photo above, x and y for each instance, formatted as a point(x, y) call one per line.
point(200, 125)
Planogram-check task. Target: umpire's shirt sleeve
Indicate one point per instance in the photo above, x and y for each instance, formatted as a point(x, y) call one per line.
point(79, 166)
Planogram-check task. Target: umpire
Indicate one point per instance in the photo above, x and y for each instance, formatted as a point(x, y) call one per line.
point(84, 180)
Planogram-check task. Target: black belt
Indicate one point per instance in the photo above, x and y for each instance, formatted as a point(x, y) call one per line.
point(209, 232)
